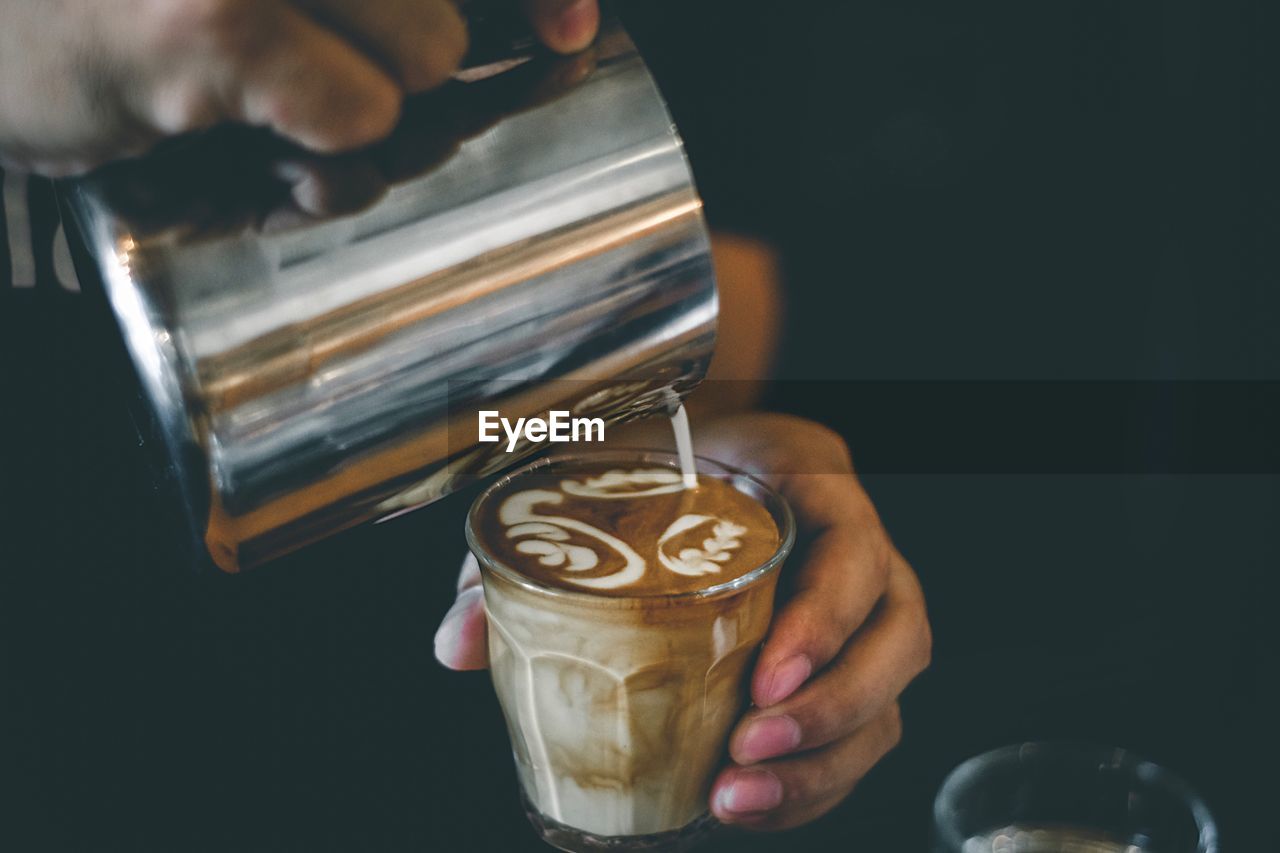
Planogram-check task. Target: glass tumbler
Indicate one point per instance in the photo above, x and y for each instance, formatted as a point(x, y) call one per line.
point(1068, 798)
point(619, 707)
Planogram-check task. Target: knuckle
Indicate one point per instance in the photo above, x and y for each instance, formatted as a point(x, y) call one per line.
point(779, 458)
point(277, 110)
point(352, 123)
point(820, 721)
point(881, 562)
point(834, 443)
point(921, 636)
point(823, 784)
point(926, 646)
point(806, 786)
point(893, 725)
point(376, 119)
point(226, 27)
point(810, 628)
point(820, 441)
point(183, 107)
point(808, 620)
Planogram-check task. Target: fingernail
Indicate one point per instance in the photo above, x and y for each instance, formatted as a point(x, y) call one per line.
point(767, 737)
point(750, 791)
point(451, 645)
point(576, 23)
point(787, 677)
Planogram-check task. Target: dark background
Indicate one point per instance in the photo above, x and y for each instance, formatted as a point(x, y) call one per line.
point(985, 210)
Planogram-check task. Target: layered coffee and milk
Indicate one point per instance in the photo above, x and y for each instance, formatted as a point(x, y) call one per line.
point(619, 645)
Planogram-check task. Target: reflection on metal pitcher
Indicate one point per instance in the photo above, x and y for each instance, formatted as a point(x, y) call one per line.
point(306, 364)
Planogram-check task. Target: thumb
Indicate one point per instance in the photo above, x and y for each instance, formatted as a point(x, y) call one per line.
point(462, 640)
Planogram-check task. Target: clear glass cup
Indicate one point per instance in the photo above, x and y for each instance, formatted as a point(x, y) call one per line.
point(1068, 798)
point(619, 708)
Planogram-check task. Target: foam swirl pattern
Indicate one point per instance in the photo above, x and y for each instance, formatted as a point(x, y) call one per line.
point(630, 531)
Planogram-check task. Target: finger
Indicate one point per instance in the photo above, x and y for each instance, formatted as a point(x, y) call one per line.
point(419, 42)
point(782, 794)
point(432, 128)
point(462, 641)
point(879, 662)
point(469, 575)
point(565, 26)
point(842, 576)
point(305, 82)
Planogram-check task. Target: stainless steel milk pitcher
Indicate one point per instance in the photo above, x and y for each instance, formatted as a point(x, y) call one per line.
point(528, 239)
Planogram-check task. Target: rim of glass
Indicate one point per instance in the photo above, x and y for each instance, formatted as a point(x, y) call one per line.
point(786, 532)
point(967, 773)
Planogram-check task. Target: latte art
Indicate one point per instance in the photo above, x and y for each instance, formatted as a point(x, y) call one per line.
point(630, 530)
point(716, 550)
point(626, 484)
point(552, 542)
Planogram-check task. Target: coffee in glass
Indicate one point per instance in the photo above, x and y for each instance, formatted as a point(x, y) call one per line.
point(624, 612)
